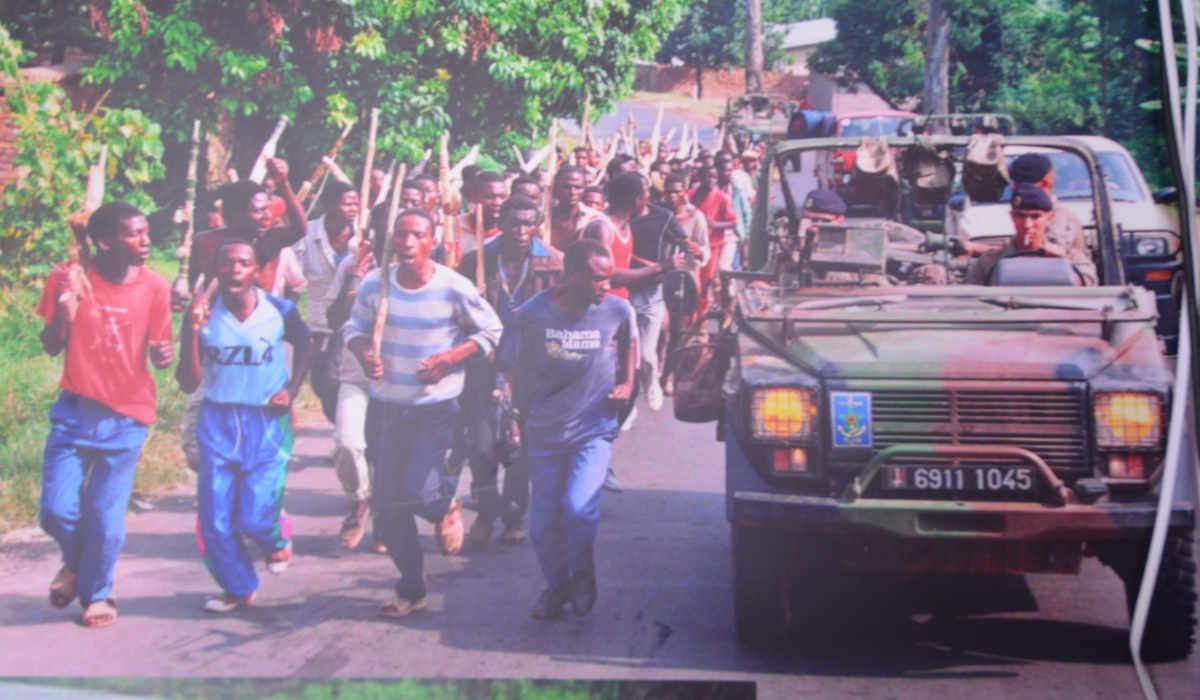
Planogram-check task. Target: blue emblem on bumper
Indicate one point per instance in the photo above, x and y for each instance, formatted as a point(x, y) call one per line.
point(851, 412)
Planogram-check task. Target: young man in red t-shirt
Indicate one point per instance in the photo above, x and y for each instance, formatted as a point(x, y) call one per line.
point(108, 328)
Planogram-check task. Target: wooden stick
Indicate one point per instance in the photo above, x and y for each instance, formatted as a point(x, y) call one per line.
point(364, 209)
point(94, 195)
point(469, 159)
point(533, 163)
point(333, 169)
point(585, 127)
point(480, 269)
point(551, 174)
point(520, 159)
point(385, 271)
point(189, 210)
point(449, 202)
point(656, 132)
point(307, 187)
point(259, 171)
point(387, 184)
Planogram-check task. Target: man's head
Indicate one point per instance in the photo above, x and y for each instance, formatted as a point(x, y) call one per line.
point(340, 202)
point(412, 195)
point(581, 156)
point(519, 220)
point(433, 197)
point(1033, 168)
point(568, 185)
point(120, 230)
point(468, 181)
point(413, 239)
point(489, 192)
point(377, 178)
point(594, 197)
point(825, 206)
point(627, 194)
point(675, 191)
point(1032, 213)
point(528, 186)
point(246, 207)
point(706, 178)
point(724, 167)
point(594, 159)
point(237, 268)
point(621, 163)
point(587, 270)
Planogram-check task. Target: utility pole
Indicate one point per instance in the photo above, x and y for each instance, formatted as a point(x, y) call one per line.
point(754, 46)
point(937, 59)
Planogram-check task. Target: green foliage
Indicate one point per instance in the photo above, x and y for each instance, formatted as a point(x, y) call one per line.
point(1067, 67)
point(488, 70)
point(55, 145)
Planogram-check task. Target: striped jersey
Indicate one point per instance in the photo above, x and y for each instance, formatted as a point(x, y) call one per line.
point(446, 312)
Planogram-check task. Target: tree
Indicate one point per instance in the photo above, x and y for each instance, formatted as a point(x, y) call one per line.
point(55, 146)
point(490, 71)
point(754, 46)
point(706, 37)
point(937, 58)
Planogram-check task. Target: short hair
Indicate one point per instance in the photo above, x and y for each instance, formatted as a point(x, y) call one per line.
point(1030, 167)
point(723, 156)
point(578, 257)
point(566, 171)
point(105, 223)
point(427, 176)
point(233, 242)
point(420, 213)
point(527, 180)
point(413, 185)
point(517, 202)
point(703, 173)
point(625, 189)
point(236, 196)
point(485, 177)
point(334, 191)
point(613, 169)
point(595, 189)
point(581, 148)
point(676, 177)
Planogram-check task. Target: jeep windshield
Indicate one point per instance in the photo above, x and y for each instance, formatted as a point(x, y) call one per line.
point(1072, 181)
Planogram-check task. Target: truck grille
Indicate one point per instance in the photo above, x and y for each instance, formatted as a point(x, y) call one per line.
point(1049, 423)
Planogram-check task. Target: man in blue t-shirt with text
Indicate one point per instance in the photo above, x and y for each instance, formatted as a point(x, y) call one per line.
point(564, 355)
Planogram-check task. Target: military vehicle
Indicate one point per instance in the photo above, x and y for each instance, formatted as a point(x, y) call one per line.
point(757, 117)
point(881, 429)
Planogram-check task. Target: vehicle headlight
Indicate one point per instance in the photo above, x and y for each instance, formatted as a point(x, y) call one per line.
point(1150, 246)
point(784, 413)
point(1126, 419)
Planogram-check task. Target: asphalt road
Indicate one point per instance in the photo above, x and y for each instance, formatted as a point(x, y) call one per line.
point(664, 610)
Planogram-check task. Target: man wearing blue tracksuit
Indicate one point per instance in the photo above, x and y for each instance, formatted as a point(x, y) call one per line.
point(244, 431)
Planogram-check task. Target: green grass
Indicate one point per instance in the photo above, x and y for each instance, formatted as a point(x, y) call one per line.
point(29, 381)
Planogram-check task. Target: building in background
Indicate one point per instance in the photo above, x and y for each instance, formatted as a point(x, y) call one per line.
point(800, 39)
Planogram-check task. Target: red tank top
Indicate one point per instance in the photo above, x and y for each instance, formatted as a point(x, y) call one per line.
point(622, 253)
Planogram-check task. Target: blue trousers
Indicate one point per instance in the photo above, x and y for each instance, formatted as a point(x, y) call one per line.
point(564, 510)
point(244, 451)
point(407, 446)
point(87, 473)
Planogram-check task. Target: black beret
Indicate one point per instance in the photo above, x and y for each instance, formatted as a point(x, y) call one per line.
point(824, 202)
point(1030, 167)
point(1027, 196)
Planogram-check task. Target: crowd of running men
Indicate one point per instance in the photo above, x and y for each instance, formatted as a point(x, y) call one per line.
point(525, 376)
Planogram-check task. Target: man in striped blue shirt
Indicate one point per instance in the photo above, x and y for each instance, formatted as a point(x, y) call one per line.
point(435, 321)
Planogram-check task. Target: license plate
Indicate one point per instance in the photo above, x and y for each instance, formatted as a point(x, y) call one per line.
point(962, 479)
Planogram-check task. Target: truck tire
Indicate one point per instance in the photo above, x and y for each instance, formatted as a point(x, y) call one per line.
point(761, 610)
point(1171, 624)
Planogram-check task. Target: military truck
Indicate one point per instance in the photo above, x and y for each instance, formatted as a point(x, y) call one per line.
point(877, 428)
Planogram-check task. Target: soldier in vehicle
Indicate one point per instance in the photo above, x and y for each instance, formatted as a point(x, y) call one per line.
point(1037, 169)
point(827, 207)
point(1032, 214)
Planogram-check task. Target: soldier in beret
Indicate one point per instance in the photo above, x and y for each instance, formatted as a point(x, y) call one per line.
point(1037, 169)
point(827, 207)
point(1032, 215)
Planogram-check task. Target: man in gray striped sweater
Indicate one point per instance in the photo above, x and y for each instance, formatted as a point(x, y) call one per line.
point(436, 319)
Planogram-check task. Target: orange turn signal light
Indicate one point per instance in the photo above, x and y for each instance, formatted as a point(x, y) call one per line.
point(790, 460)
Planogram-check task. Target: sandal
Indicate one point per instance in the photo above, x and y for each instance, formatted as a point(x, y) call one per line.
point(448, 535)
point(227, 602)
point(62, 588)
point(102, 613)
point(401, 607)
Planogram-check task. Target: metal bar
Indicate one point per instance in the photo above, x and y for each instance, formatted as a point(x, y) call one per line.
point(1062, 495)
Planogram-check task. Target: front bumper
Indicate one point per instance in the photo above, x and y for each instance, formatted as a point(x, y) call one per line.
point(952, 519)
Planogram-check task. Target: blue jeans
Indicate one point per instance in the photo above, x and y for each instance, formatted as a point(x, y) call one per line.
point(244, 451)
point(564, 510)
point(407, 447)
point(88, 521)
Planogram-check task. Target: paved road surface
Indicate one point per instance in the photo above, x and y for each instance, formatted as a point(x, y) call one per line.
point(664, 610)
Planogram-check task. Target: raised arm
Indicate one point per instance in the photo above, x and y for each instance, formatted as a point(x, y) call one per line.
point(281, 237)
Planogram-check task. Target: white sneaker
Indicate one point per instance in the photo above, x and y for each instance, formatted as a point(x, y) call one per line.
point(277, 562)
point(225, 602)
point(628, 424)
point(654, 396)
point(611, 483)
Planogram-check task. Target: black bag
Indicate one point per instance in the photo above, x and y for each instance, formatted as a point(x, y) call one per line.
point(680, 293)
point(699, 371)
